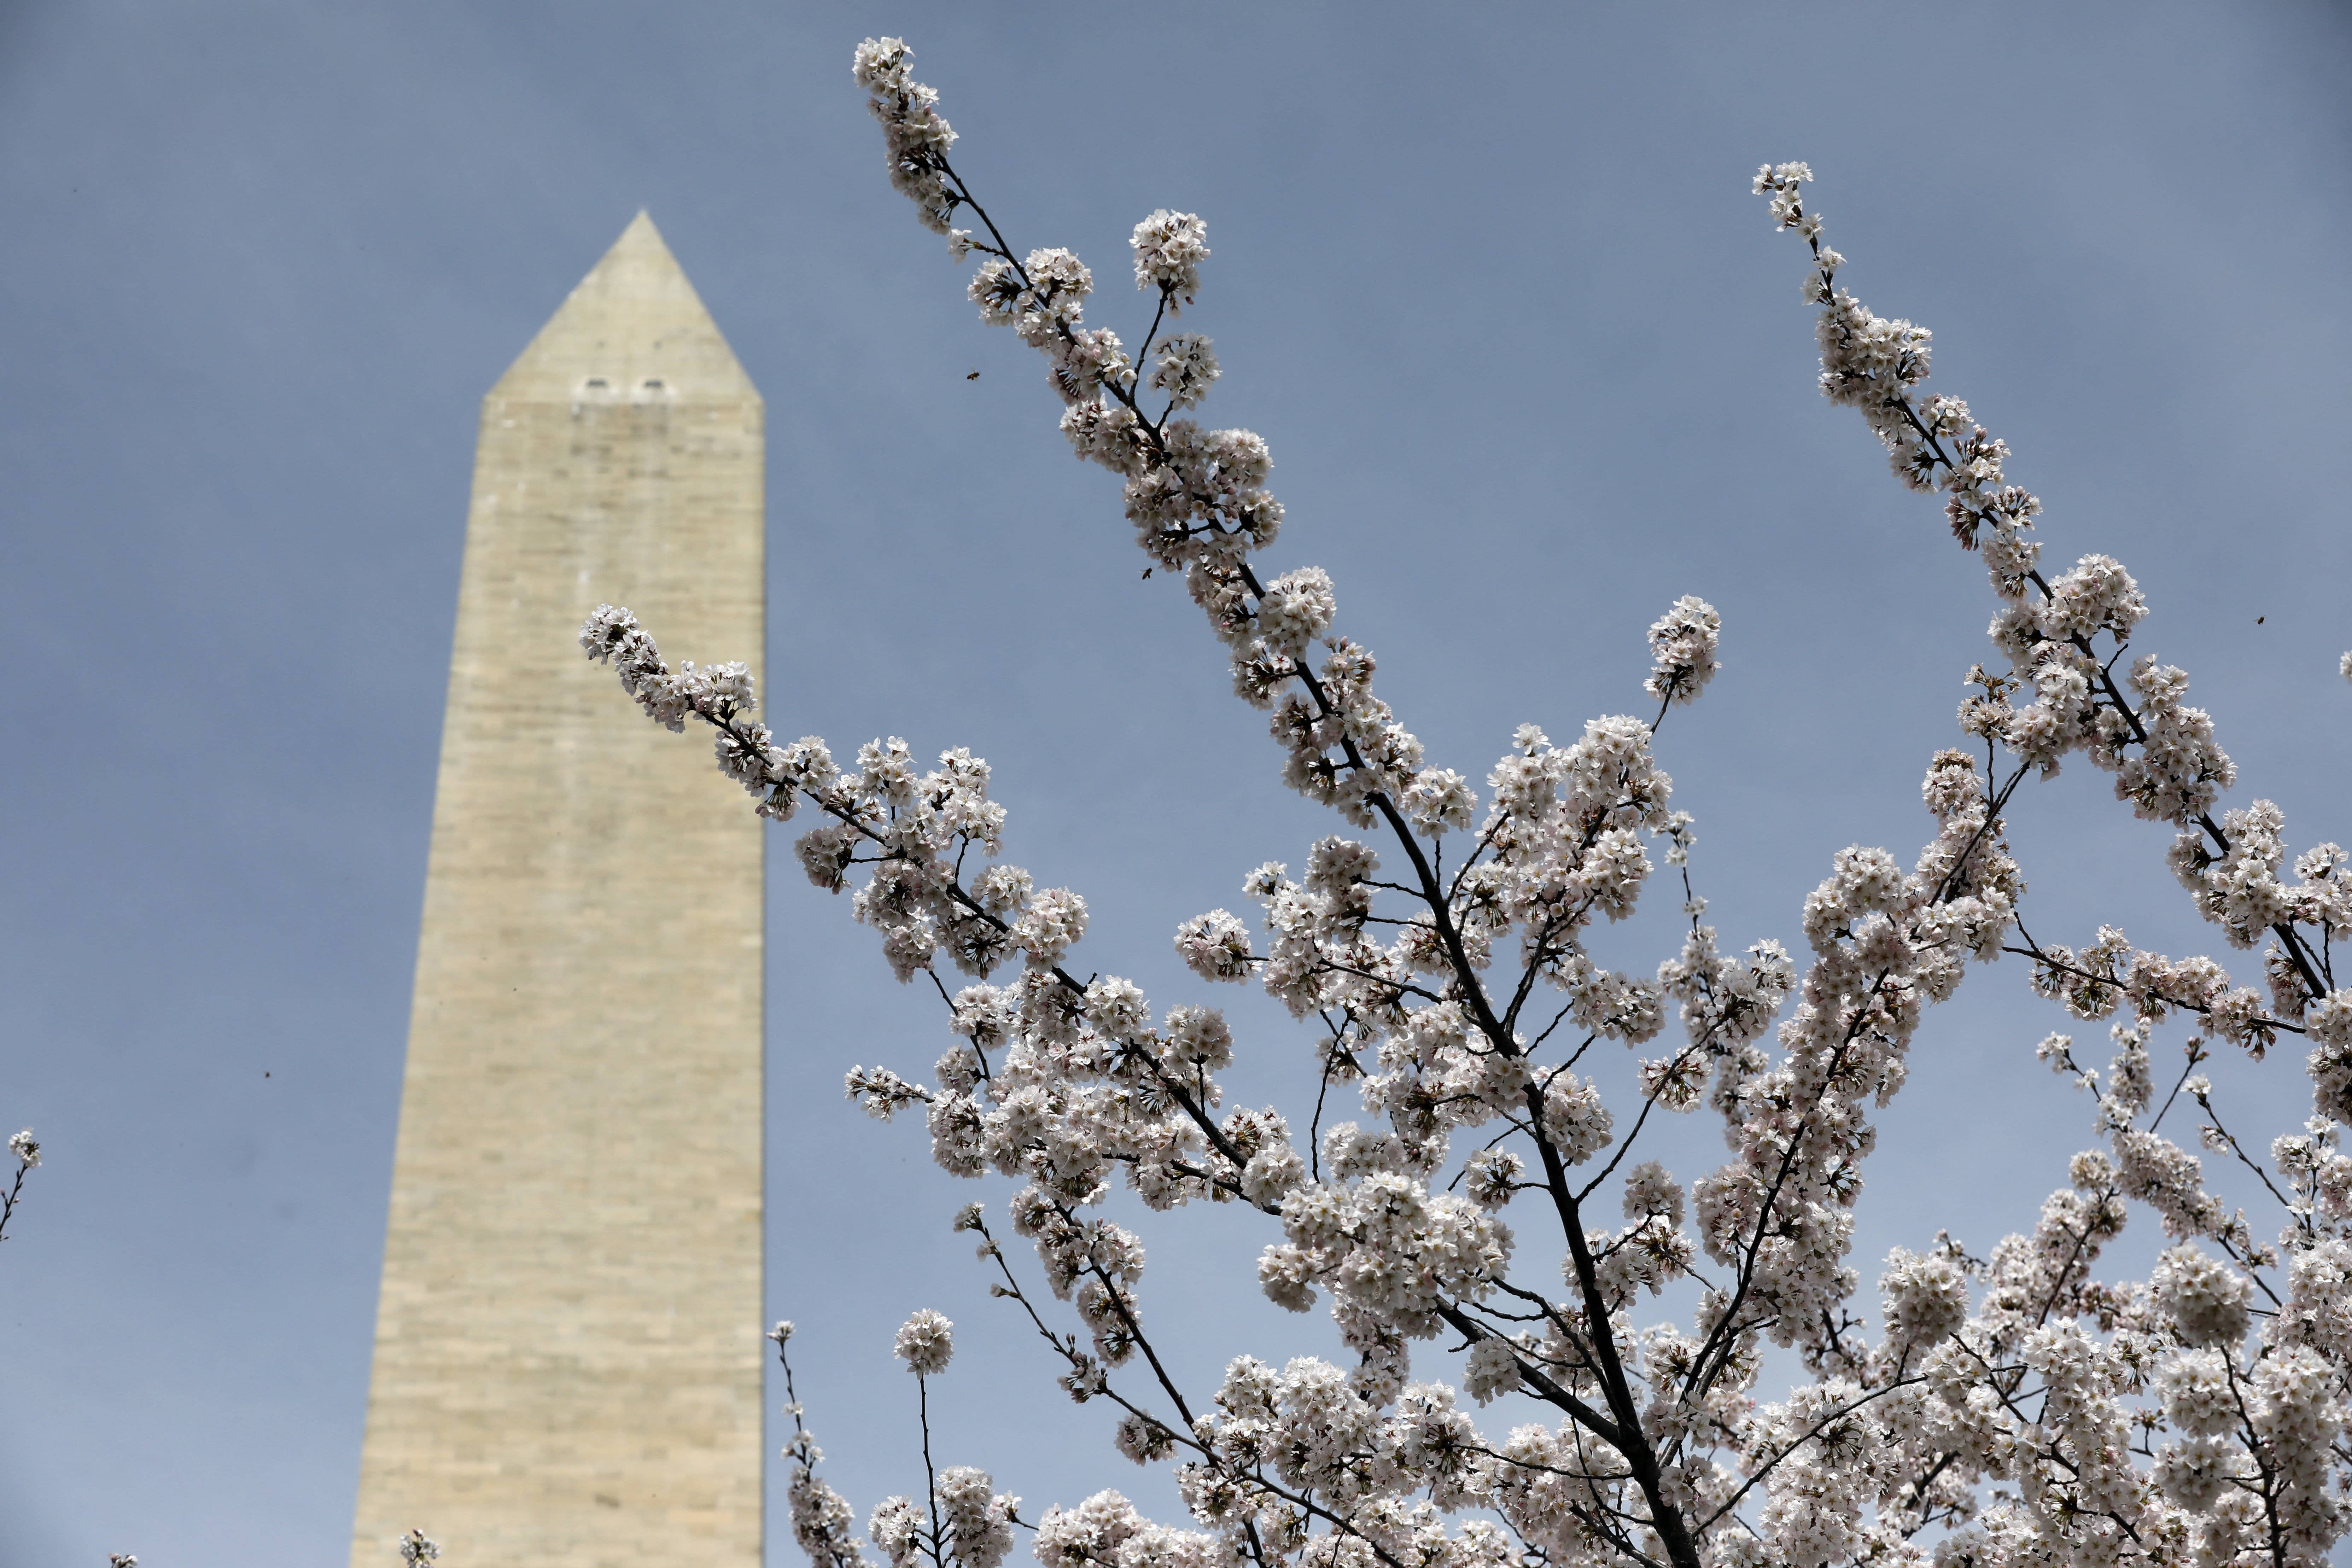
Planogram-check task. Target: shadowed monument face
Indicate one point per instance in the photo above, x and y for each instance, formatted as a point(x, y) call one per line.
point(567, 1355)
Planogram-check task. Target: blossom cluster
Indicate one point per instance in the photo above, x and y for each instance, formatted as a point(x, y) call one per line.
point(925, 1342)
point(915, 137)
point(716, 693)
point(2013, 1409)
point(1682, 643)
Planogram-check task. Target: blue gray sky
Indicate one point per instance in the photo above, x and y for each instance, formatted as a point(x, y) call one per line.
point(1531, 362)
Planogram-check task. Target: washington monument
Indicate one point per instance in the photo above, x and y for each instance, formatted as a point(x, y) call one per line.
point(567, 1347)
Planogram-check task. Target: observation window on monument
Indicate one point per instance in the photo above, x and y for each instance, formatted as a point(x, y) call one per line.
point(653, 385)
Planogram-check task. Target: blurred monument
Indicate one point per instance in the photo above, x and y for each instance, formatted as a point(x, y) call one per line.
point(567, 1347)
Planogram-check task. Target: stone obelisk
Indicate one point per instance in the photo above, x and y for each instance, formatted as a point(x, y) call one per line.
point(568, 1349)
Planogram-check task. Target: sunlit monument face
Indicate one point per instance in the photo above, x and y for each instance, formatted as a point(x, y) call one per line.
point(567, 1358)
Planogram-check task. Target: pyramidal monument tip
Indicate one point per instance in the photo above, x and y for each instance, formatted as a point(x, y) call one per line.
point(635, 316)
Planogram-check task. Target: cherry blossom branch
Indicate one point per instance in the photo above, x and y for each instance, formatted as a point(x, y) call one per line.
point(27, 1149)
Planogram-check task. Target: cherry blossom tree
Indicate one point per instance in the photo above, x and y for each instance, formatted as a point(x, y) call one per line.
point(1490, 1224)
